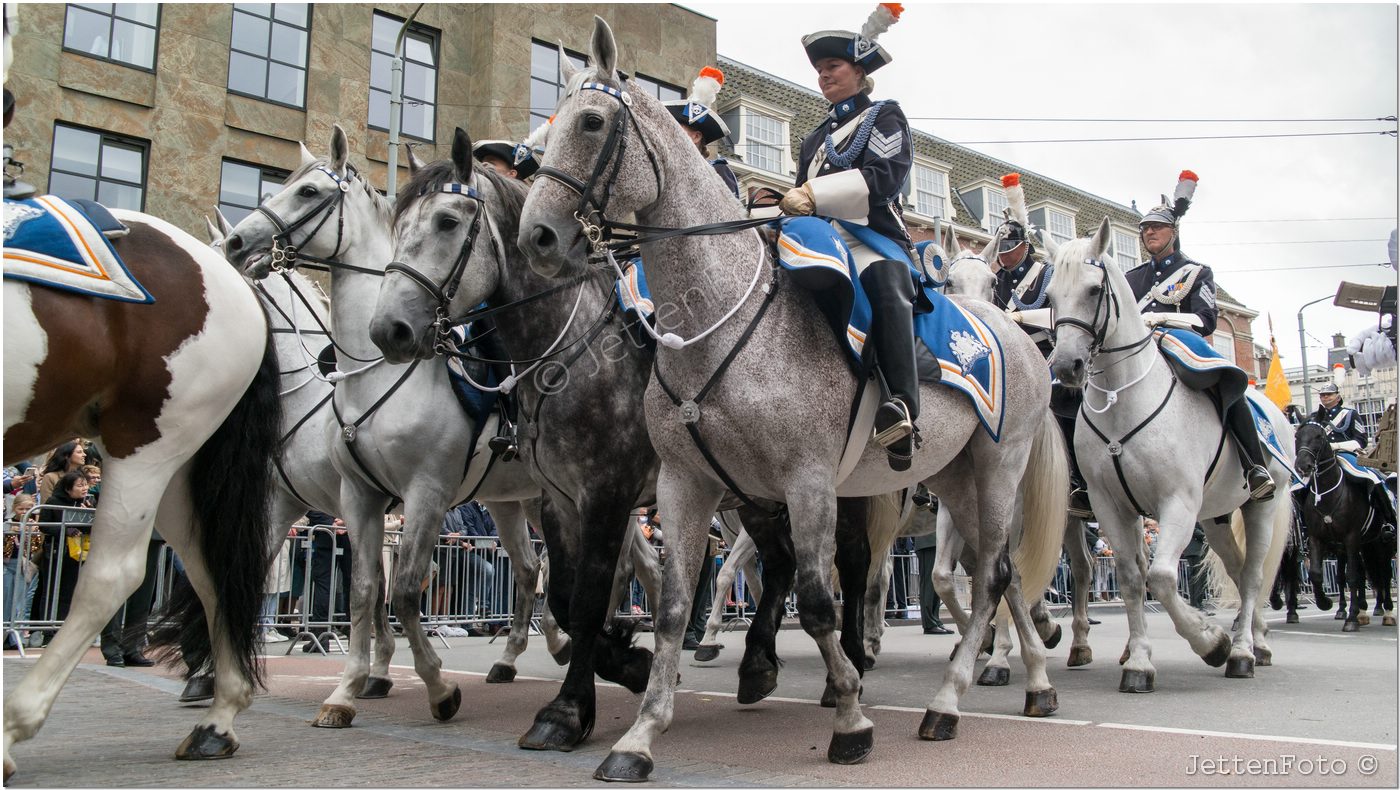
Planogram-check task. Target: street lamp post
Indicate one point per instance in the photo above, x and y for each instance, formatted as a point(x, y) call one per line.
point(1303, 354)
point(396, 105)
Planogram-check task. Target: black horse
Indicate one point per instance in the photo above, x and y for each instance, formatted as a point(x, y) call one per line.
point(1337, 513)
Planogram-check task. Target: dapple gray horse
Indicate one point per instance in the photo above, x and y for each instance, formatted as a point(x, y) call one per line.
point(1176, 465)
point(776, 422)
point(390, 432)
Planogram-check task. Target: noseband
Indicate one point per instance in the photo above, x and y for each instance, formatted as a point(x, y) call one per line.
point(1107, 307)
point(286, 256)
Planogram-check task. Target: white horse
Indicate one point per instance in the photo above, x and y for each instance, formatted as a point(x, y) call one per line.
point(776, 421)
point(391, 431)
point(1173, 462)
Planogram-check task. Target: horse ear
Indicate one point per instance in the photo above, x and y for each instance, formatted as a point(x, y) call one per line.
point(305, 153)
point(1102, 238)
point(414, 163)
point(215, 237)
point(989, 252)
point(225, 226)
point(340, 149)
point(953, 247)
point(604, 48)
point(1052, 247)
point(567, 70)
point(462, 154)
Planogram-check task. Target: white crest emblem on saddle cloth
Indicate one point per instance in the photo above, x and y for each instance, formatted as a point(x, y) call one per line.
point(51, 242)
point(968, 350)
point(885, 146)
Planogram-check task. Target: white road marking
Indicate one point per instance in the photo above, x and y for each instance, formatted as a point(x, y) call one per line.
point(1388, 747)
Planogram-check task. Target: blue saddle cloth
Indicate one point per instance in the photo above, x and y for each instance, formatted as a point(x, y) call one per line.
point(55, 242)
point(969, 354)
point(1365, 473)
point(633, 295)
point(476, 404)
point(1199, 366)
point(1268, 437)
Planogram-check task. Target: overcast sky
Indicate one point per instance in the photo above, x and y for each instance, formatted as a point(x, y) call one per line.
point(1141, 61)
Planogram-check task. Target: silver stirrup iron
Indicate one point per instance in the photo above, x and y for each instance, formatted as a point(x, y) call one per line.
point(899, 430)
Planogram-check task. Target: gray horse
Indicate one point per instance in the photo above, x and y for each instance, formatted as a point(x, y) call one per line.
point(776, 421)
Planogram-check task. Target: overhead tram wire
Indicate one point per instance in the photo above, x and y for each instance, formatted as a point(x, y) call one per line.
point(1306, 268)
point(1305, 241)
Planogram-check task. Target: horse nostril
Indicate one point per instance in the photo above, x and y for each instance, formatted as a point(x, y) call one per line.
point(543, 238)
point(233, 243)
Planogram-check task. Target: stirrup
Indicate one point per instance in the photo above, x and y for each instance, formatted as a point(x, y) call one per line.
point(1083, 511)
point(1262, 491)
point(900, 430)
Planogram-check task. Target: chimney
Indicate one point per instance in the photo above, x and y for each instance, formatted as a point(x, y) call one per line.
point(1339, 340)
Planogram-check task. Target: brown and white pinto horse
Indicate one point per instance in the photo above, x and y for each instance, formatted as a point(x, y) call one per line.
point(181, 397)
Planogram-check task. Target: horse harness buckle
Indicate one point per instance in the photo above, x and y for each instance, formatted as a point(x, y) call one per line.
point(1115, 449)
point(690, 412)
point(348, 434)
point(284, 257)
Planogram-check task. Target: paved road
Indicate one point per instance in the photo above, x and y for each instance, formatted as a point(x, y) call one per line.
point(1328, 705)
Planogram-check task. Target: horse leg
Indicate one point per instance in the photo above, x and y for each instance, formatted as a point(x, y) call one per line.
point(877, 586)
point(1341, 584)
point(1123, 529)
point(378, 684)
point(524, 565)
point(950, 546)
point(741, 551)
point(1208, 640)
point(997, 671)
point(1082, 565)
point(1291, 573)
point(646, 565)
point(1041, 699)
point(688, 503)
point(771, 535)
point(1316, 575)
point(415, 556)
point(555, 640)
point(115, 567)
point(599, 526)
point(1246, 570)
point(1356, 580)
point(854, 559)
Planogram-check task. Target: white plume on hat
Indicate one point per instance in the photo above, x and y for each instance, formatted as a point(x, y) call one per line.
point(536, 139)
point(881, 19)
point(705, 89)
point(1016, 199)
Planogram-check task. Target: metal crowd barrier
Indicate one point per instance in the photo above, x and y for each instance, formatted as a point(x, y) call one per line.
point(469, 585)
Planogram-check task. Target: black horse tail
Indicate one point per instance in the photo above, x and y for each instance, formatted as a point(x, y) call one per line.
point(231, 485)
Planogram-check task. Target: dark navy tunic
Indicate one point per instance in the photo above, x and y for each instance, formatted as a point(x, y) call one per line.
point(1200, 300)
point(1343, 424)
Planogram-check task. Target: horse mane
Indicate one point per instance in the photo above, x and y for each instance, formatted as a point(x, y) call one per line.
point(378, 201)
point(510, 193)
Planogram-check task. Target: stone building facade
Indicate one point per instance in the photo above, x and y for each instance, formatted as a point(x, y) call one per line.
point(157, 81)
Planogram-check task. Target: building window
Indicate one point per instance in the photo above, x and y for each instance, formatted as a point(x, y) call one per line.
point(765, 142)
point(1125, 249)
point(420, 47)
point(92, 165)
point(242, 187)
point(658, 89)
point(1368, 411)
point(269, 50)
point(546, 83)
point(119, 32)
point(997, 204)
point(930, 191)
point(1060, 225)
point(1224, 342)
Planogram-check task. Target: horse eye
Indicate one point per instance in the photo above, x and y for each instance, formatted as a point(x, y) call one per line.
point(307, 191)
point(592, 122)
point(447, 223)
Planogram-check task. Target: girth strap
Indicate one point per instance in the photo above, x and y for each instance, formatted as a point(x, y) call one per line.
point(690, 410)
point(1115, 449)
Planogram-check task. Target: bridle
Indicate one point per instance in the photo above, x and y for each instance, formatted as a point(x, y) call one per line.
point(1107, 308)
point(287, 256)
point(443, 292)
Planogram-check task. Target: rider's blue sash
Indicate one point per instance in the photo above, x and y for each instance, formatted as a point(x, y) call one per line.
point(968, 352)
point(51, 241)
point(1268, 438)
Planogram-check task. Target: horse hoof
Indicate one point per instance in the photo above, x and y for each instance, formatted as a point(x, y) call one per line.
point(445, 709)
point(753, 688)
point(1136, 681)
point(1220, 654)
point(995, 676)
point(708, 652)
point(553, 736)
point(9, 768)
point(1323, 602)
point(375, 688)
point(334, 717)
point(1292, 618)
point(1275, 602)
point(869, 663)
point(565, 654)
point(1263, 657)
point(1363, 619)
point(1350, 626)
point(198, 689)
point(1080, 655)
point(1240, 667)
point(1341, 614)
point(500, 673)
point(625, 767)
point(1055, 637)
point(938, 726)
point(850, 748)
point(1388, 620)
point(1041, 703)
point(203, 743)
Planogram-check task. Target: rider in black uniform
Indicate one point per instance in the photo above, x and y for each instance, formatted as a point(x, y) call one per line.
point(1341, 422)
point(1021, 285)
point(853, 167)
point(1170, 282)
point(697, 116)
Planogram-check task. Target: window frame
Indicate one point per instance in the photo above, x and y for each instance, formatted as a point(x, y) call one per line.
point(1220, 335)
point(435, 42)
point(577, 58)
point(741, 110)
point(111, 24)
point(272, 23)
point(647, 81)
point(1115, 253)
point(263, 172)
point(104, 139)
point(912, 197)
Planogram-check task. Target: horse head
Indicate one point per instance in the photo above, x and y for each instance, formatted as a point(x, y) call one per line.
point(605, 146)
point(1086, 293)
point(451, 222)
point(969, 273)
point(322, 210)
point(1311, 448)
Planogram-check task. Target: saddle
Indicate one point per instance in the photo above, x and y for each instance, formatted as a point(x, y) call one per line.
point(67, 245)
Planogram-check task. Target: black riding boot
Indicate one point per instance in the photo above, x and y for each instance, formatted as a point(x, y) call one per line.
point(1240, 420)
point(890, 289)
point(1079, 505)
